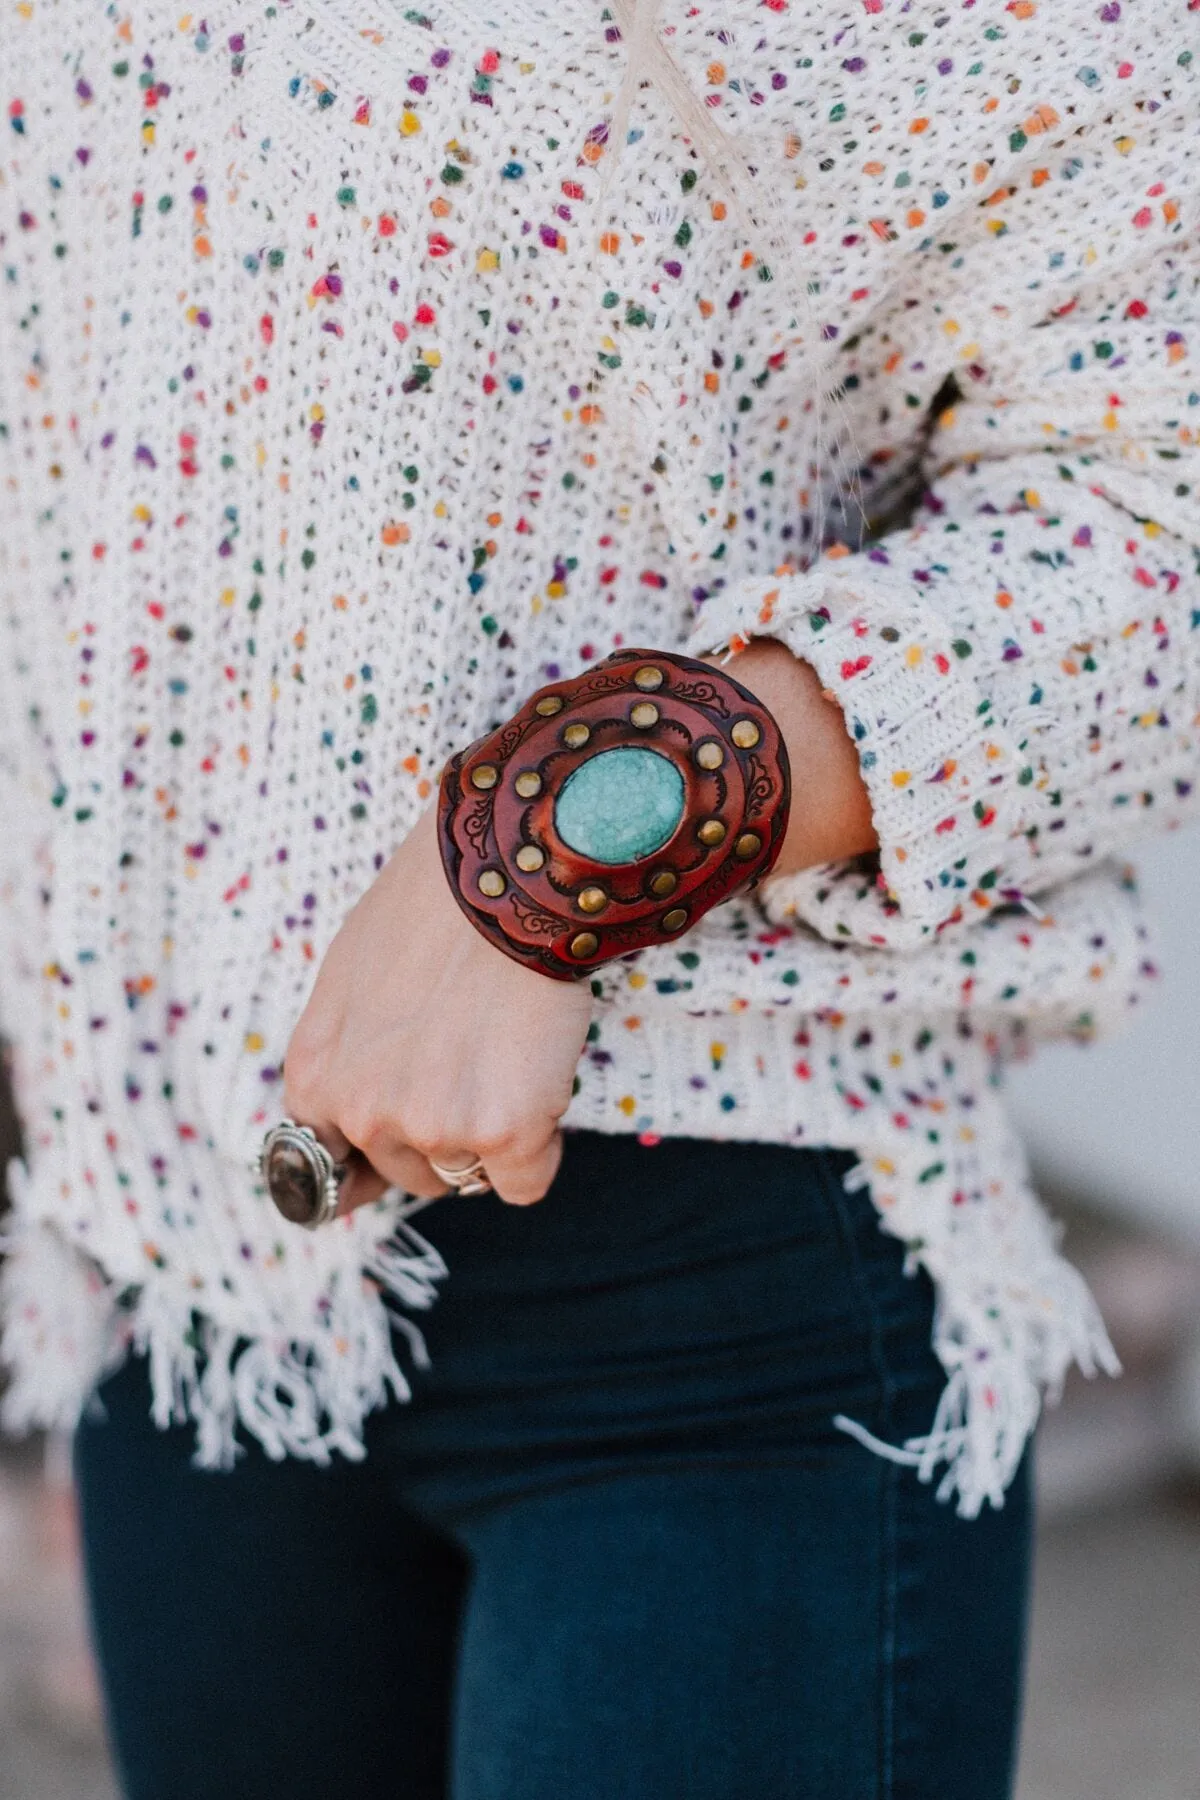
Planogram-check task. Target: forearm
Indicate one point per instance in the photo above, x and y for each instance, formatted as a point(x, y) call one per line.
point(1019, 676)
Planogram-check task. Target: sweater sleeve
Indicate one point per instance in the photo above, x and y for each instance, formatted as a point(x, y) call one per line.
point(1019, 668)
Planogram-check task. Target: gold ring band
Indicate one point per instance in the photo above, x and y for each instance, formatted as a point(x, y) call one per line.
point(473, 1179)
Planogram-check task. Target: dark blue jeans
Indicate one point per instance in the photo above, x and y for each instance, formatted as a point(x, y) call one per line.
point(613, 1549)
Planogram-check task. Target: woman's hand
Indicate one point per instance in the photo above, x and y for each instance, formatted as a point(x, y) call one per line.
point(422, 1040)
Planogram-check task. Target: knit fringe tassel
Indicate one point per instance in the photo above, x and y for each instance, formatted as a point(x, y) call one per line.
point(305, 1396)
point(1006, 1344)
point(1005, 1336)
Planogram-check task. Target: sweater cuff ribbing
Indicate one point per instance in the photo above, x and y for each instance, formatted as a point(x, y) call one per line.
point(948, 787)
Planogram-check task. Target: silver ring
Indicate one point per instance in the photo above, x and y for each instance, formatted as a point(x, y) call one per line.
point(300, 1174)
point(471, 1180)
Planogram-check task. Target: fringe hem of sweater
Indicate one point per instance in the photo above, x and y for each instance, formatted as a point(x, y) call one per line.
point(301, 1374)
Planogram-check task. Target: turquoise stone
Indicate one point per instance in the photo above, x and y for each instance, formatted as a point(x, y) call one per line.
point(620, 805)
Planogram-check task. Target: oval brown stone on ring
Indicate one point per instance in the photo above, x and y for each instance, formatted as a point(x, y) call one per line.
point(296, 1184)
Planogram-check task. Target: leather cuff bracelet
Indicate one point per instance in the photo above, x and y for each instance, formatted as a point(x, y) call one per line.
point(613, 811)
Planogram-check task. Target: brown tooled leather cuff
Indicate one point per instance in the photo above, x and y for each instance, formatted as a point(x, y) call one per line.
point(566, 857)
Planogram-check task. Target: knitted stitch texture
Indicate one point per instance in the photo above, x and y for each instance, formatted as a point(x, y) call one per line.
point(353, 382)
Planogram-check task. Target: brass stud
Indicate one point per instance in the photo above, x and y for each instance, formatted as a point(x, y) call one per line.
point(711, 832)
point(745, 734)
point(528, 783)
point(485, 776)
point(664, 883)
point(549, 704)
point(530, 858)
point(492, 883)
point(748, 845)
point(644, 715)
point(710, 755)
point(591, 899)
point(584, 943)
point(648, 678)
point(676, 919)
point(576, 736)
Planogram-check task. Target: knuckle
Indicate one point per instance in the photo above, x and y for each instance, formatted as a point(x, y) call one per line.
point(300, 1079)
point(306, 1069)
point(499, 1137)
point(365, 1122)
point(303, 1101)
point(422, 1128)
point(522, 1125)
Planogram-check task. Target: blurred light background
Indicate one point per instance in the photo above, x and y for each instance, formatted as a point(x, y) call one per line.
point(1113, 1709)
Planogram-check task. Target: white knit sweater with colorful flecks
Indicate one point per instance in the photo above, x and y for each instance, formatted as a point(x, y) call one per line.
point(354, 381)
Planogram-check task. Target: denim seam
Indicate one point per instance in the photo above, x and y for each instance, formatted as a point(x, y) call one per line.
point(889, 1607)
point(836, 1196)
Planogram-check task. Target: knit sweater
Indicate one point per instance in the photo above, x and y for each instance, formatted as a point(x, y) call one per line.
point(355, 380)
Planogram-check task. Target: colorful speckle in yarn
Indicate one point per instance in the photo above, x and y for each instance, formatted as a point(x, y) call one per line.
point(354, 381)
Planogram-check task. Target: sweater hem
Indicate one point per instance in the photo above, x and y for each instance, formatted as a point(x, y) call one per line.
point(1012, 1317)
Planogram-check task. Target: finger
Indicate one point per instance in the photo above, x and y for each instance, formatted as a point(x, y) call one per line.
point(315, 1119)
point(523, 1177)
point(459, 1162)
point(398, 1167)
point(370, 1172)
point(359, 1179)
point(364, 1183)
point(361, 1186)
point(374, 1158)
point(335, 1141)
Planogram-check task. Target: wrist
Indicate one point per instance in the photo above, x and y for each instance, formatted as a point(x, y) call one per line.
point(835, 820)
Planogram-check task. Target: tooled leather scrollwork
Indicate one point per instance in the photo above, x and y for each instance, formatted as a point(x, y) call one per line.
point(565, 910)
